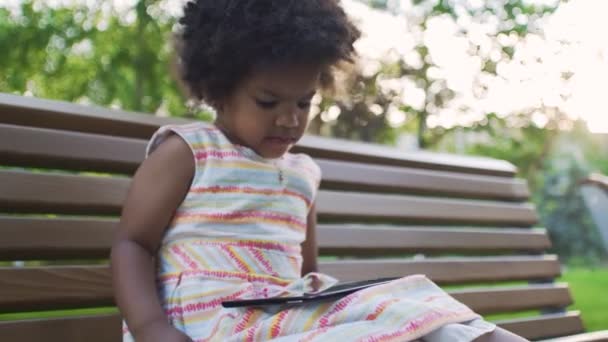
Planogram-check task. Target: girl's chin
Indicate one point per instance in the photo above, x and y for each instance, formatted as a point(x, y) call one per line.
point(273, 151)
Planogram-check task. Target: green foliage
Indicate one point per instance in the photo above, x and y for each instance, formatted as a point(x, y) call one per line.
point(525, 146)
point(85, 54)
point(507, 13)
point(356, 120)
point(553, 162)
point(563, 211)
point(93, 54)
point(382, 4)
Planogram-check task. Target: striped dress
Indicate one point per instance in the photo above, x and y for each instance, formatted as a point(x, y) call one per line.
point(237, 235)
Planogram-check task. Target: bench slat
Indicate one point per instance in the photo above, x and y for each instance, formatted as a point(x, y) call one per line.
point(383, 240)
point(510, 299)
point(93, 328)
point(57, 287)
point(81, 287)
point(447, 270)
point(596, 336)
point(107, 327)
point(38, 238)
point(347, 150)
point(27, 111)
point(26, 192)
point(349, 206)
point(36, 147)
point(546, 326)
point(348, 176)
point(101, 153)
point(35, 112)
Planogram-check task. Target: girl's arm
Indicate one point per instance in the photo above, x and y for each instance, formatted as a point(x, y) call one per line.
point(158, 187)
point(309, 246)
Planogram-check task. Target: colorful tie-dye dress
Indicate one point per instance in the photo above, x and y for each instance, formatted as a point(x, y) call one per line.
point(237, 235)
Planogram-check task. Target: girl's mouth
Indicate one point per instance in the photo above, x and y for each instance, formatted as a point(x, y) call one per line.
point(280, 140)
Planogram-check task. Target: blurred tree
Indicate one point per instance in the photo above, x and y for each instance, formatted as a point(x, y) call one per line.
point(517, 139)
point(553, 161)
point(358, 113)
point(93, 53)
point(369, 111)
point(560, 203)
point(89, 53)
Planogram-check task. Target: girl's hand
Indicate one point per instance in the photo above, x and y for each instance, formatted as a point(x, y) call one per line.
point(161, 332)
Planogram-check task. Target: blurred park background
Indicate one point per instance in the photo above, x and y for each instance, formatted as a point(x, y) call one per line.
point(519, 80)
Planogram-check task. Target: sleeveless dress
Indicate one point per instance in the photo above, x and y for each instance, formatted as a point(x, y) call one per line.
point(237, 235)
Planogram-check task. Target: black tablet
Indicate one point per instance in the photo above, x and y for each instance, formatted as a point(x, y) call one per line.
point(336, 291)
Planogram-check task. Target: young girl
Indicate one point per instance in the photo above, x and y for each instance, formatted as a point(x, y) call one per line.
point(223, 211)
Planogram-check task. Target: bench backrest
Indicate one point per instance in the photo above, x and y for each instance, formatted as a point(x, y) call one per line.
point(64, 171)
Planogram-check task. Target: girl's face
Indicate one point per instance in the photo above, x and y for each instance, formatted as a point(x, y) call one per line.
point(268, 111)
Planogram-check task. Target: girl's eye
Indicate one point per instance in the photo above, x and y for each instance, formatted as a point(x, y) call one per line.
point(304, 105)
point(266, 104)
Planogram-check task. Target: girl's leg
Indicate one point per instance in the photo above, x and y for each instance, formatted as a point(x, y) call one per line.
point(500, 335)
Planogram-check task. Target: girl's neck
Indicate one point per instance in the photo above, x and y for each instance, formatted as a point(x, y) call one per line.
point(232, 138)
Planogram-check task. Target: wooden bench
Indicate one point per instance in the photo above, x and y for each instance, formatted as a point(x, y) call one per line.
point(65, 169)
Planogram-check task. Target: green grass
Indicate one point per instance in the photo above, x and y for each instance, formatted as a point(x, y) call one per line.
point(56, 313)
point(590, 291)
point(589, 288)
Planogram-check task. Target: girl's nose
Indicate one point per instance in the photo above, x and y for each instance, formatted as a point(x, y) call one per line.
point(289, 119)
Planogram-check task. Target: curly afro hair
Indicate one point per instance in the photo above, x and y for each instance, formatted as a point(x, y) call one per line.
point(221, 41)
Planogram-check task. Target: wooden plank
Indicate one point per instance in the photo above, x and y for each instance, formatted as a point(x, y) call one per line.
point(64, 287)
point(56, 329)
point(93, 328)
point(35, 112)
point(510, 299)
point(107, 328)
point(356, 206)
point(26, 192)
point(545, 326)
point(27, 111)
point(448, 270)
point(382, 178)
point(47, 148)
point(38, 238)
point(81, 151)
point(345, 150)
point(375, 239)
point(596, 336)
point(56, 287)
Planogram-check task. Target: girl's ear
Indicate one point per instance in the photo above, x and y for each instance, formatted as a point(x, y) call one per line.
point(219, 107)
point(220, 116)
point(220, 104)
